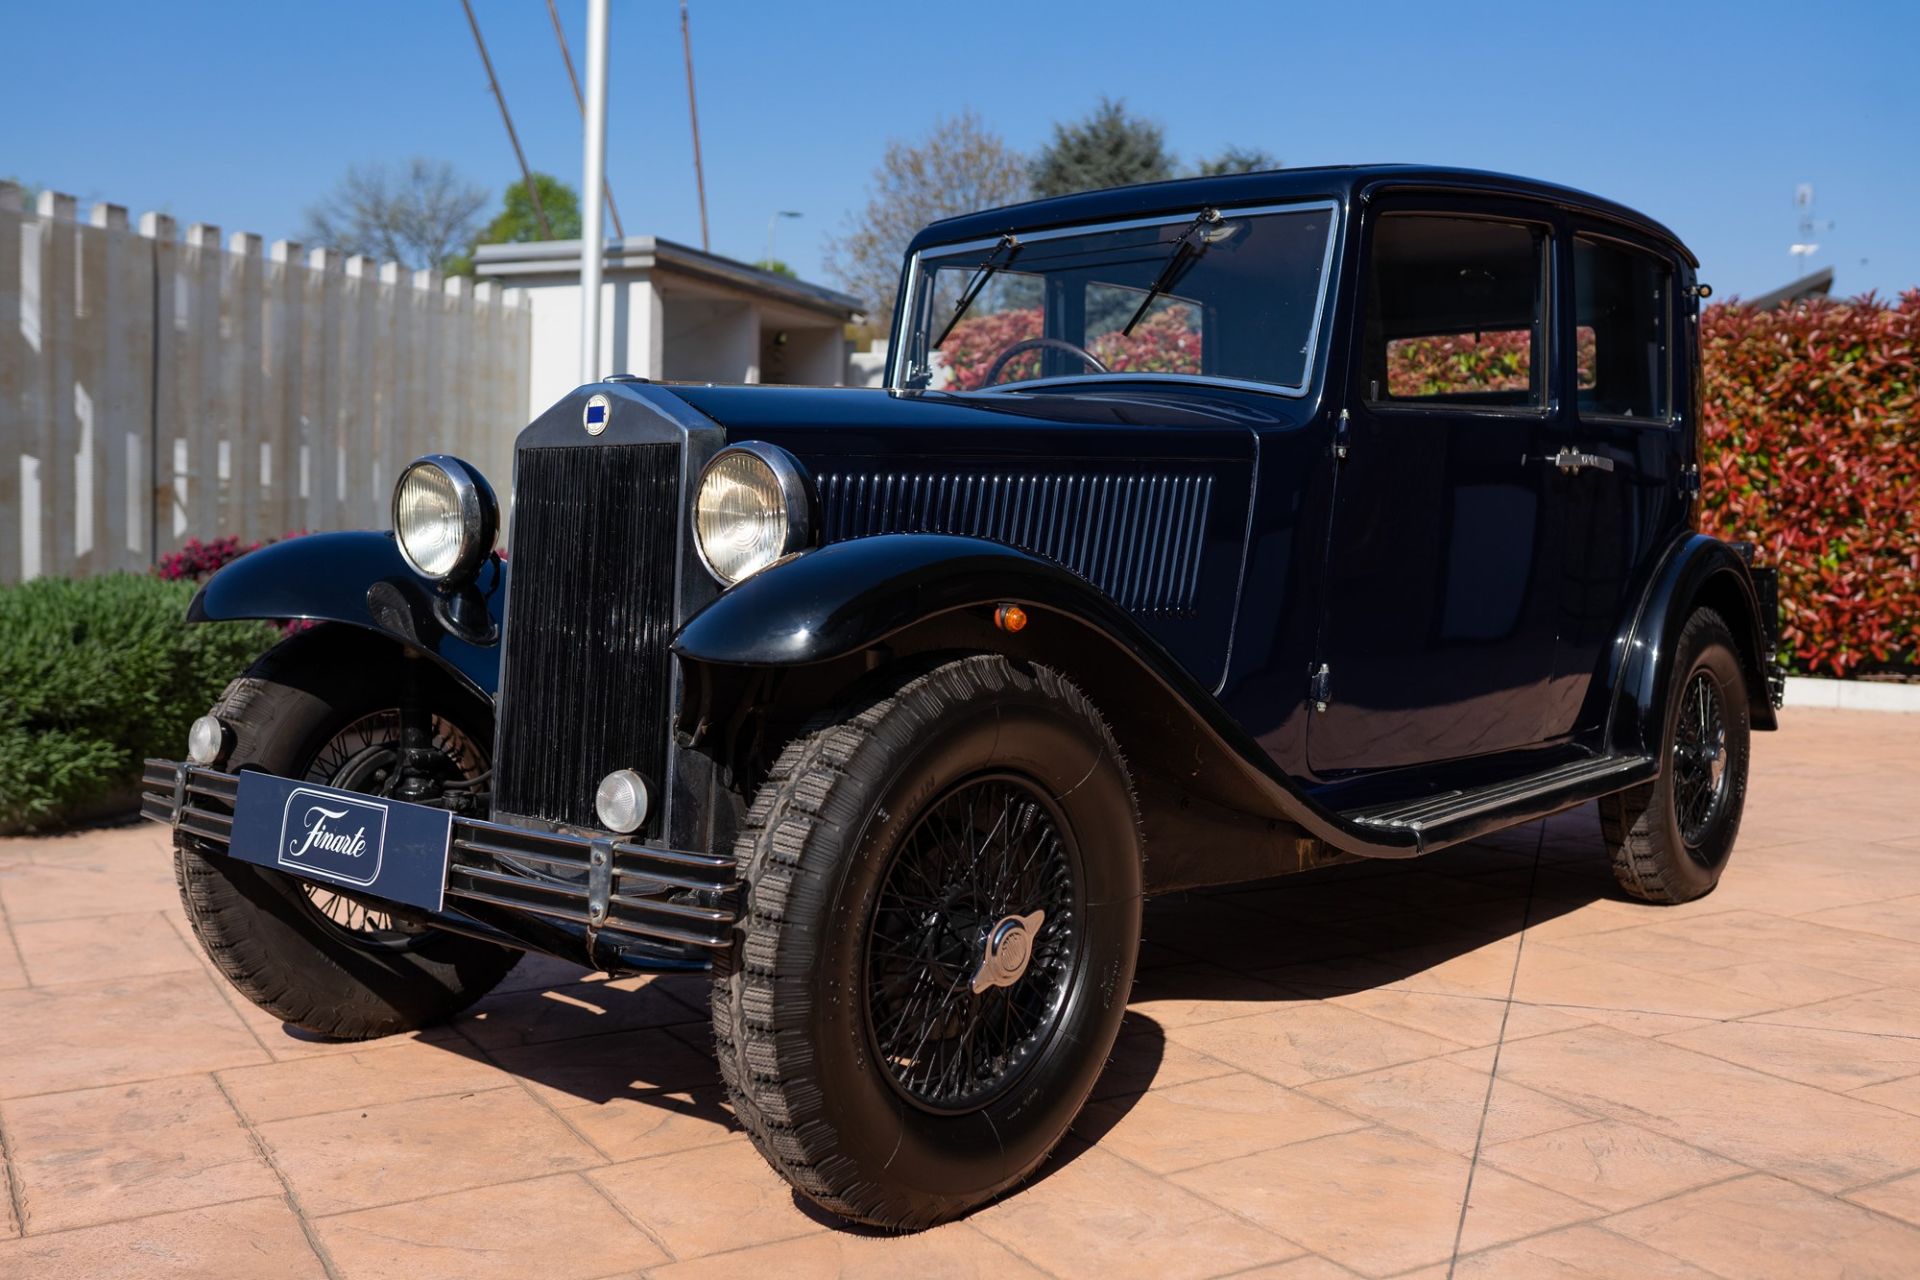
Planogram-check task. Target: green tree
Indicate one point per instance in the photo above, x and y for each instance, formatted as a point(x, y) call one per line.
point(1237, 160)
point(777, 267)
point(516, 223)
point(1109, 148)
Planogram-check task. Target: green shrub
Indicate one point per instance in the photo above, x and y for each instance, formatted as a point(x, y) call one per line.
point(96, 674)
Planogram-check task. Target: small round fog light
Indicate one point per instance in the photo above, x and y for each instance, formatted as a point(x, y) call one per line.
point(206, 741)
point(622, 801)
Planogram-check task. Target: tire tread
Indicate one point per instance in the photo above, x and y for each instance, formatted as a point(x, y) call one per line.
point(1634, 822)
point(789, 849)
point(275, 697)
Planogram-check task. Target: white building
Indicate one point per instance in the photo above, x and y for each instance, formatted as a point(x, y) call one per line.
point(671, 312)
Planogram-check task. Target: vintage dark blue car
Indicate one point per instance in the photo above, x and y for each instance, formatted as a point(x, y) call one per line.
point(1205, 531)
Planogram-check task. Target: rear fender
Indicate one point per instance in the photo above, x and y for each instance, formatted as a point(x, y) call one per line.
point(1699, 572)
point(361, 580)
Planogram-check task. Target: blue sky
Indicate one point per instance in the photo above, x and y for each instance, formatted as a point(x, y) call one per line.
point(1705, 116)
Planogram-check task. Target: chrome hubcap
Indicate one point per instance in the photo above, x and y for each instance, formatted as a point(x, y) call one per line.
point(1009, 945)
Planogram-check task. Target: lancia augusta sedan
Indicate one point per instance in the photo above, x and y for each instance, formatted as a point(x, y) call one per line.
point(1204, 531)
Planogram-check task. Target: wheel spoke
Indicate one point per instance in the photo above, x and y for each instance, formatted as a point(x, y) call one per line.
point(980, 859)
point(1699, 745)
point(361, 758)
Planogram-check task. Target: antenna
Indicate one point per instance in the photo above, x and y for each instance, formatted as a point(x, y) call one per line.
point(526, 174)
point(1809, 225)
point(693, 115)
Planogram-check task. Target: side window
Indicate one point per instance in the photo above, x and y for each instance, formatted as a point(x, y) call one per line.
point(1621, 300)
point(1454, 309)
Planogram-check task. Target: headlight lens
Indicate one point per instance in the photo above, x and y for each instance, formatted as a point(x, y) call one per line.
point(622, 801)
point(751, 510)
point(444, 516)
point(206, 740)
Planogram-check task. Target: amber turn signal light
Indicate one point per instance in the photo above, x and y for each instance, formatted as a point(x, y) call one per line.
point(1010, 617)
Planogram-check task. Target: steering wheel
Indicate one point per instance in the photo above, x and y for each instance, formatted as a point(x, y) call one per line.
point(1036, 344)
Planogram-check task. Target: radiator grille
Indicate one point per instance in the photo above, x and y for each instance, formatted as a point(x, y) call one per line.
point(589, 616)
point(1136, 537)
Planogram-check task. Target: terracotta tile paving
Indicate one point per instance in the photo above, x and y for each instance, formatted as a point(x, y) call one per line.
point(558, 1228)
point(397, 1151)
point(1486, 1064)
point(126, 1151)
point(1899, 1198)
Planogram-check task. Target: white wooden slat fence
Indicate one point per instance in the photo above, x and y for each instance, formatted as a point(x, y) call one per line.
point(155, 388)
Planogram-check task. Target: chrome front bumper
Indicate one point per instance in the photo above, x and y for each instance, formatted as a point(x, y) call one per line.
point(606, 902)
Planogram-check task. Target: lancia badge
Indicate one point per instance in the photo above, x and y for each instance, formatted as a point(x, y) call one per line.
point(594, 416)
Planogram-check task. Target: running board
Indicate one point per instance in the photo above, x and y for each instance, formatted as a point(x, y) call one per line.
point(1451, 817)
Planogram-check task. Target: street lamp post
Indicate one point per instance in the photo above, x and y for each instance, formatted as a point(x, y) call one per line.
point(773, 222)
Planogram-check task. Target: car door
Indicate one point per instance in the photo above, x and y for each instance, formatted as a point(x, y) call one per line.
point(1626, 442)
point(1439, 626)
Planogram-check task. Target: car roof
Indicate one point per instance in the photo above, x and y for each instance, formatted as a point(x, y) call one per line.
point(1344, 183)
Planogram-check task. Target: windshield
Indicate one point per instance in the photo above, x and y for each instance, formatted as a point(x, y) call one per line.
point(1221, 294)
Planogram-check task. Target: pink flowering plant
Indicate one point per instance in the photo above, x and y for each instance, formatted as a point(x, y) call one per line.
point(197, 559)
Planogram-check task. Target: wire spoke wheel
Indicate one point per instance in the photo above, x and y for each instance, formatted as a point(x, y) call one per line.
point(1700, 778)
point(973, 943)
point(364, 757)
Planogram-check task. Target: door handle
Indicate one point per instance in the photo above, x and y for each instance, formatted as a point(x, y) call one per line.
point(1571, 460)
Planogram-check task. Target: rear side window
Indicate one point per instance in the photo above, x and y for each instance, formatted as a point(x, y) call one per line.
point(1622, 307)
point(1454, 309)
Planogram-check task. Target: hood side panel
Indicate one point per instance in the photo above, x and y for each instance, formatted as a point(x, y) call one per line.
point(1147, 497)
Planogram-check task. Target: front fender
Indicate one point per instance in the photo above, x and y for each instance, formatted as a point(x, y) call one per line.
point(361, 580)
point(1698, 571)
point(934, 593)
point(838, 599)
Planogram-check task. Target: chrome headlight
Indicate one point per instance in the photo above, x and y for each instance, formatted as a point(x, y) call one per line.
point(752, 508)
point(444, 516)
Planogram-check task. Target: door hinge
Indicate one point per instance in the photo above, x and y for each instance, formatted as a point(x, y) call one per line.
point(1342, 436)
point(1690, 480)
point(1320, 688)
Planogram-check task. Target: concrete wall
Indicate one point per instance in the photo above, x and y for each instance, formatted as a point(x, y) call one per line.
point(711, 340)
point(662, 320)
point(633, 331)
point(675, 334)
point(868, 368)
point(815, 357)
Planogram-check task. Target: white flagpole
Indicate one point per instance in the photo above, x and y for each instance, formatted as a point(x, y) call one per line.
point(593, 194)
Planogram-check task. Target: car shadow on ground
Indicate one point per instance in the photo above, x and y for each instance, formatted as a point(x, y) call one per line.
point(1370, 924)
point(1297, 938)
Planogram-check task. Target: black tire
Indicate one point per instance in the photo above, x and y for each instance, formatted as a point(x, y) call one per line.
point(261, 928)
point(793, 1007)
point(1666, 847)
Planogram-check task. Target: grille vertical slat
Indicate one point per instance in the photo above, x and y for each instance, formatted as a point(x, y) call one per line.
point(1137, 537)
point(589, 617)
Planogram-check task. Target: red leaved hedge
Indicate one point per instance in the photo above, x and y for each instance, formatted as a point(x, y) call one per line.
point(1811, 449)
point(1162, 343)
point(970, 349)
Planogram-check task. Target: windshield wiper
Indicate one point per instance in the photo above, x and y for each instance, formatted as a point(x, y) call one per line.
point(981, 274)
point(1186, 251)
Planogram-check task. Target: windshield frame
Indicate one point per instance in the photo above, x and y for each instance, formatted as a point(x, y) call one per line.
point(897, 355)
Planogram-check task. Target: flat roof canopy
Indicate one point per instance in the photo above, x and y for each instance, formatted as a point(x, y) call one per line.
point(663, 260)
